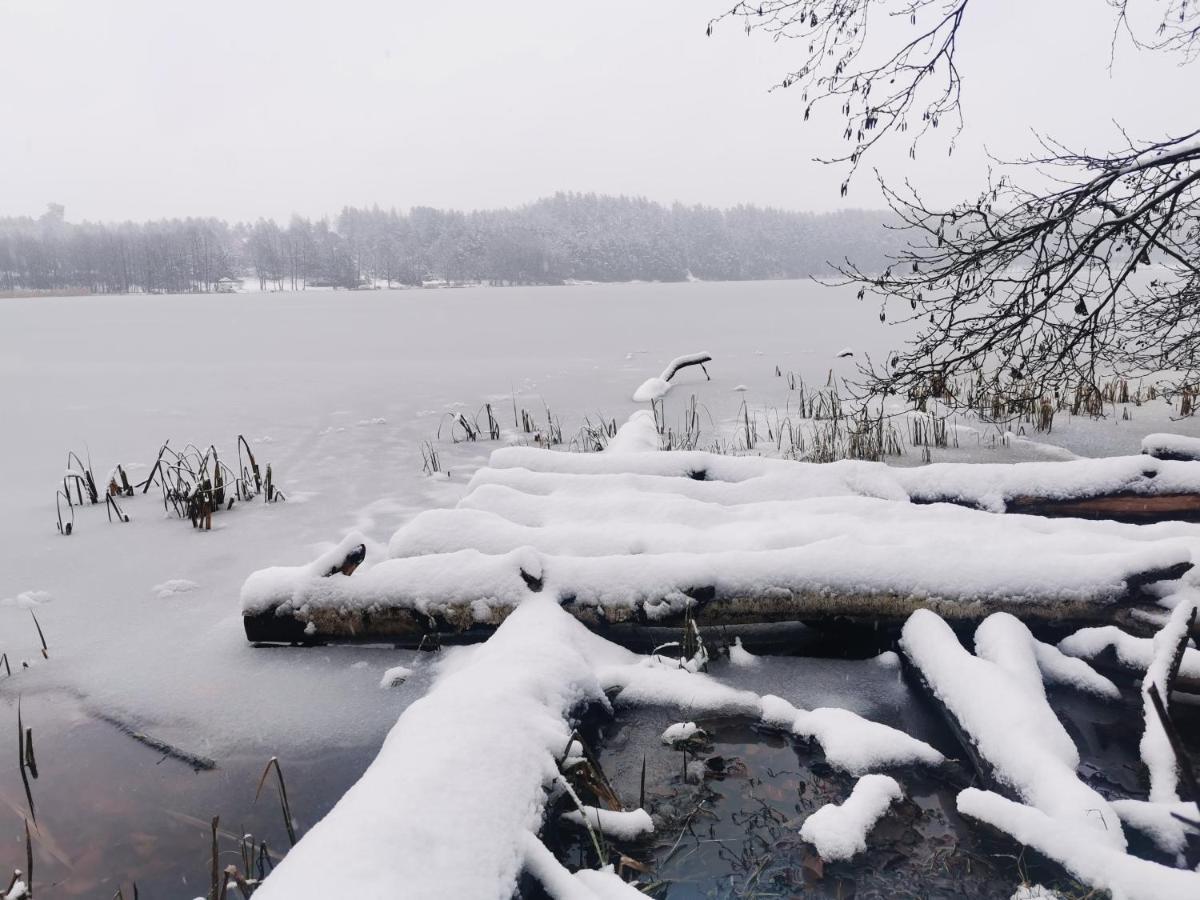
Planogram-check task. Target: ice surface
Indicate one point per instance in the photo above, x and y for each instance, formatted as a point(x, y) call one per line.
point(839, 831)
point(114, 383)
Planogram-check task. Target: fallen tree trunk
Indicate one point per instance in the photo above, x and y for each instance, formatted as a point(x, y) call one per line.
point(1124, 506)
point(402, 620)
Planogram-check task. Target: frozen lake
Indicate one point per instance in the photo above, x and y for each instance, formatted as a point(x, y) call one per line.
point(338, 391)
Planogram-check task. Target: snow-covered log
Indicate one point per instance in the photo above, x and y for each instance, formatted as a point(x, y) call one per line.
point(466, 590)
point(656, 388)
point(452, 805)
point(1133, 488)
point(1112, 649)
point(1171, 446)
point(1157, 749)
point(1016, 741)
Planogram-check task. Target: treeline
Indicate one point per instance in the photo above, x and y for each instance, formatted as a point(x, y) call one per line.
point(582, 237)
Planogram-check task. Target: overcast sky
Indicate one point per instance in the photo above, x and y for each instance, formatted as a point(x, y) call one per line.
point(240, 108)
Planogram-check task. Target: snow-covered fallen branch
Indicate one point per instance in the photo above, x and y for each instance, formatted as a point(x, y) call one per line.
point(1107, 646)
point(850, 742)
point(1078, 851)
point(1169, 651)
point(1018, 741)
point(656, 388)
point(1171, 446)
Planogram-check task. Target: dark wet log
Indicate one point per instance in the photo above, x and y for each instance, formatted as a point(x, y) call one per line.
point(1122, 507)
point(984, 771)
point(402, 624)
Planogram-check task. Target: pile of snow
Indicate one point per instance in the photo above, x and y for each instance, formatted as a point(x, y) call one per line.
point(681, 732)
point(395, 676)
point(174, 587)
point(651, 389)
point(638, 435)
point(840, 832)
point(741, 657)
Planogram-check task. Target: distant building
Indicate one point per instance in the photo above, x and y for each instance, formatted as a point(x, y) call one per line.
point(227, 285)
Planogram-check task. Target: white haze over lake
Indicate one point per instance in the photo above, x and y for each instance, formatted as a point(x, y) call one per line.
point(142, 109)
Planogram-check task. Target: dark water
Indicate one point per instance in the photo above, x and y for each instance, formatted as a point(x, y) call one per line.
point(112, 811)
point(728, 825)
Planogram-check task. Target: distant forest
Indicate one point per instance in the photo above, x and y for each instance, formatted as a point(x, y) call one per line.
point(583, 237)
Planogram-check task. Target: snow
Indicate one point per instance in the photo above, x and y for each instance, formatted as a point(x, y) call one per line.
point(1134, 653)
point(681, 732)
point(622, 558)
point(395, 676)
point(1157, 821)
point(620, 824)
point(839, 832)
point(985, 485)
point(446, 807)
point(28, 599)
point(740, 656)
point(174, 587)
point(638, 435)
point(561, 884)
point(658, 387)
point(1011, 724)
point(336, 359)
point(1177, 446)
point(1006, 641)
point(850, 742)
point(1035, 892)
point(1094, 862)
point(651, 389)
